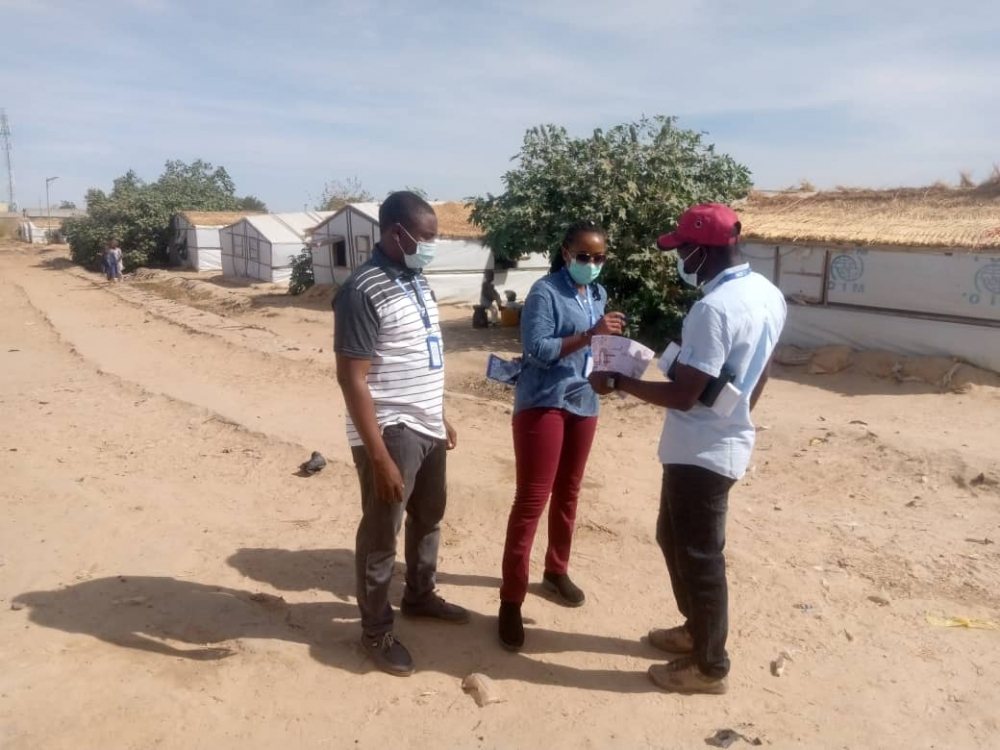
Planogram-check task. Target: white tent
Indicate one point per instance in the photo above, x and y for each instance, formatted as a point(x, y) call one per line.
point(196, 242)
point(345, 240)
point(28, 231)
point(456, 275)
point(912, 271)
point(262, 246)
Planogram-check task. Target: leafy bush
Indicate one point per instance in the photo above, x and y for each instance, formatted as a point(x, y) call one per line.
point(138, 214)
point(302, 272)
point(635, 180)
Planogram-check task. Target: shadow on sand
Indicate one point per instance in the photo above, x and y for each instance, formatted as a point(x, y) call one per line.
point(177, 618)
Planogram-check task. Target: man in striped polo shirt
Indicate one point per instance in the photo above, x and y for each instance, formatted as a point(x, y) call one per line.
point(390, 367)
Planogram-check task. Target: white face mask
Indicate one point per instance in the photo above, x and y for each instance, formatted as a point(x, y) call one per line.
point(424, 254)
point(691, 279)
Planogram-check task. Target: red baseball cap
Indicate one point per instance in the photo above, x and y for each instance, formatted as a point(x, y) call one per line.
point(711, 224)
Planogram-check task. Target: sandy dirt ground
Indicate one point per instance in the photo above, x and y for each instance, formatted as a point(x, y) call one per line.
point(167, 580)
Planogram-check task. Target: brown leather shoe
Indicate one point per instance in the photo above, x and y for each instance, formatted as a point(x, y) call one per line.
point(683, 676)
point(675, 640)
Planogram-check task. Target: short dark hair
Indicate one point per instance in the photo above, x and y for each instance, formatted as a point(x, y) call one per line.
point(402, 207)
point(574, 230)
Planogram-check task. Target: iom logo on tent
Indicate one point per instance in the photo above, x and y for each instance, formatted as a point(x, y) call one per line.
point(846, 271)
point(987, 282)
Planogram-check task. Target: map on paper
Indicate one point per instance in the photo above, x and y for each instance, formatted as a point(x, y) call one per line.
point(621, 355)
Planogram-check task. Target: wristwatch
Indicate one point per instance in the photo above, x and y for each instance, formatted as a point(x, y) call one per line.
point(611, 381)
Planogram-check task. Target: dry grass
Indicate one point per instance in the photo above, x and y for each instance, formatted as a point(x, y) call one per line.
point(453, 221)
point(215, 218)
point(937, 216)
point(8, 227)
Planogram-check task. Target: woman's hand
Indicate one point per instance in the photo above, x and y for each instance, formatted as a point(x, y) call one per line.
point(612, 324)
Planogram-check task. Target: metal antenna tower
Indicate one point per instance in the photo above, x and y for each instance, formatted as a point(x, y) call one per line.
point(8, 149)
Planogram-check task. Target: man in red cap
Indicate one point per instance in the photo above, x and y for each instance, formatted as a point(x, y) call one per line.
point(727, 341)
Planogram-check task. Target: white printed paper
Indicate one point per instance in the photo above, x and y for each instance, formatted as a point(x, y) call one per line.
point(621, 355)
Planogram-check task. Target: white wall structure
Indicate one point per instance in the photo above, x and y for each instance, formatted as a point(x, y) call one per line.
point(910, 301)
point(196, 242)
point(28, 231)
point(262, 246)
point(456, 276)
point(344, 241)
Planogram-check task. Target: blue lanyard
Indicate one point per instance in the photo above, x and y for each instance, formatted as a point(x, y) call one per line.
point(576, 295)
point(421, 307)
point(726, 278)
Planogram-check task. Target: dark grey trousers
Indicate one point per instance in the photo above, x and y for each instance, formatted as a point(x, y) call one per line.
point(421, 461)
point(691, 531)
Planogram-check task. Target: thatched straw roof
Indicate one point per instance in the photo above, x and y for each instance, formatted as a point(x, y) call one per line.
point(453, 221)
point(215, 218)
point(941, 217)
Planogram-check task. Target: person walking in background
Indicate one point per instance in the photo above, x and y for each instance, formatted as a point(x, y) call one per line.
point(390, 368)
point(729, 334)
point(112, 254)
point(555, 417)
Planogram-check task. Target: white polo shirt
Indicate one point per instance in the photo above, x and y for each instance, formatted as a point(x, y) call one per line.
point(736, 324)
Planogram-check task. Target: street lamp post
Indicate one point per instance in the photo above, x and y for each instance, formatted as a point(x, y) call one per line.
point(48, 209)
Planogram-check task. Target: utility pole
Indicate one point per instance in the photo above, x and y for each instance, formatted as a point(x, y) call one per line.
point(8, 149)
point(48, 211)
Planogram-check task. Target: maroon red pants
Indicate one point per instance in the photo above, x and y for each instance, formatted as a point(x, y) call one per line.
point(551, 448)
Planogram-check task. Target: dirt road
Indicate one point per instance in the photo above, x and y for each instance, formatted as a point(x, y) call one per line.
point(166, 580)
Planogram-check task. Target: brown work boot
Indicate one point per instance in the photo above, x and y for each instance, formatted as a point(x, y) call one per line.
point(683, 676)
point(675, 640)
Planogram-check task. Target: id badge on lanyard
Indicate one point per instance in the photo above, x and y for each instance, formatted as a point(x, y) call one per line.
point(435, 351)
point(435, 354)
point(588, 360)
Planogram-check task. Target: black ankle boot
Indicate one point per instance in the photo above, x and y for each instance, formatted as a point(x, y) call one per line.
point(510, 626)
point(568, 592)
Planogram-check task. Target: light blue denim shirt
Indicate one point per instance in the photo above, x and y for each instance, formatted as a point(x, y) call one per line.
point(552, 311)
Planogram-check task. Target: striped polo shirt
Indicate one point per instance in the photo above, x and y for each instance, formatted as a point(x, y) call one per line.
point(377, 316)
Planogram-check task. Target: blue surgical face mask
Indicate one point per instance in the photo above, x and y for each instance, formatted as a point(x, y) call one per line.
point(584, 273)
point(691, 279)
point(423, 256)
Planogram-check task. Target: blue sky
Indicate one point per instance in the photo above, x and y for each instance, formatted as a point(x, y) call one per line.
point(288, 95)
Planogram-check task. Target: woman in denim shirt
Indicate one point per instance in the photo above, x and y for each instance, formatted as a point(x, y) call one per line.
point(555, 417)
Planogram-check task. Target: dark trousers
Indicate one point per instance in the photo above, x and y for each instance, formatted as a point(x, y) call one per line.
point(421, 460)
point(691, 531)
point(551, 447)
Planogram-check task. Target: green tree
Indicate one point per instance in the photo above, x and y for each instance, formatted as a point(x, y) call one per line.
point(67, 205)
point(302, 272)
point(635, 180)
point(138, 214)
point(338, 193)
point(251, 203)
